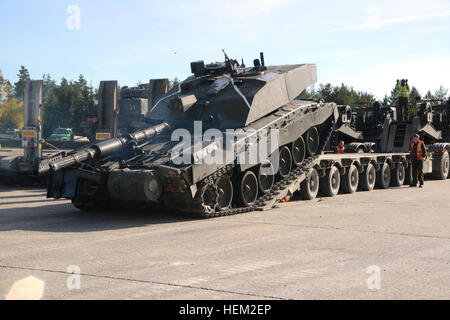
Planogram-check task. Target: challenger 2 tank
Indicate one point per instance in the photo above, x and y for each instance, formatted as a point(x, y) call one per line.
point(226, 140)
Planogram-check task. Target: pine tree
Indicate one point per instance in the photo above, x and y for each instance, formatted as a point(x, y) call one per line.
point(414, 96)
point(429, 95)
point(19, 86)
point(441, 93)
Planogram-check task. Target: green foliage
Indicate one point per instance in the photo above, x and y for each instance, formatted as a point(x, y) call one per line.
point(19, 86)
point(342, 95)
point(173, 82)
point(414, 96)
point(63, 103)
point(11, 110)
point(441, 93)
point(11, 114)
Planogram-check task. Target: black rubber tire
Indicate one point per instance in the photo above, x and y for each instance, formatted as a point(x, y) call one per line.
point(285, 165)
point(441, 166)
point(298, 150)
point(368, 178)
point(398, 175)
point(266, 177)
point(310, 186)
point(225, 190)
point(330, 184)
point(247, 189)
point(384, 176)
point(312, 141)
point(408, 175)
point(350, 180)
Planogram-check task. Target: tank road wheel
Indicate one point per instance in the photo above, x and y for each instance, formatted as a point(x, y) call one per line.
point(266, 177)
point(398, 175)
point(384, 176)
point(298, 151)
point(329, 185)
point(361, 150)
point(367, 178)
point(225, 192)
point(285, 162)
point(441, 167)
point(310, 186)
point(312, 141)
point(209, 198)
point(350, 180)
point(248, 189)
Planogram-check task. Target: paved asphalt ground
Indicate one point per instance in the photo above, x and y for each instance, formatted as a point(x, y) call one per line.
point(300, 250)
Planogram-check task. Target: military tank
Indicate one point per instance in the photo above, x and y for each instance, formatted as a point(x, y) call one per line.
point(229, 139)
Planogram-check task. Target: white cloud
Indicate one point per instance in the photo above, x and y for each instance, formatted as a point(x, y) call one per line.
point(425, 74)
point(379, 23)
point(379, 14)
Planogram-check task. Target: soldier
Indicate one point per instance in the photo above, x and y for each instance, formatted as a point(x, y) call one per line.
point(418, 153)
point(340, 147)
point(402, 89)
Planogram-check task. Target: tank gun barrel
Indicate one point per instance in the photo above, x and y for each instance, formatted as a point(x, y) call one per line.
point(102, 149)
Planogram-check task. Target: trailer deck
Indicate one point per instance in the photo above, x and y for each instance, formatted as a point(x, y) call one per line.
point(396, 162)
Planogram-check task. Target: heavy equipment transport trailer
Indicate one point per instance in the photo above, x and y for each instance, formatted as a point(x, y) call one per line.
point(331, 174)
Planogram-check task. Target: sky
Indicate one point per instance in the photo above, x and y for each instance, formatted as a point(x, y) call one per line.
point(364, 44)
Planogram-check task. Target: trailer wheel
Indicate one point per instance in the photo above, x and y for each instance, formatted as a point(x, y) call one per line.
point(408, 175)
point(384, 177)
point(398, 175)
point(310, 186)
point(367, 178)
point(248, 189)
point(350, 180)
point(441, 166)
point(329, 185)
point(285, 162)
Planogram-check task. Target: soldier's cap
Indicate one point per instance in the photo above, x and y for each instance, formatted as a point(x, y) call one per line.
point(416, 136)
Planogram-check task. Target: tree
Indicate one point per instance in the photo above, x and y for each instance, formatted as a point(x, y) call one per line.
point(429, 96)
point(390, 100)
point(11, 111)
point(174, 82)
point(441, 93)
point(63, 103)
point(5, 88)
point(19, 86)
point(343, 95)
point(11, 114)
point(414, 96)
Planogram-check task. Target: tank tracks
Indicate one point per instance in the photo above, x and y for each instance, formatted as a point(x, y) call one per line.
point(279, 191)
